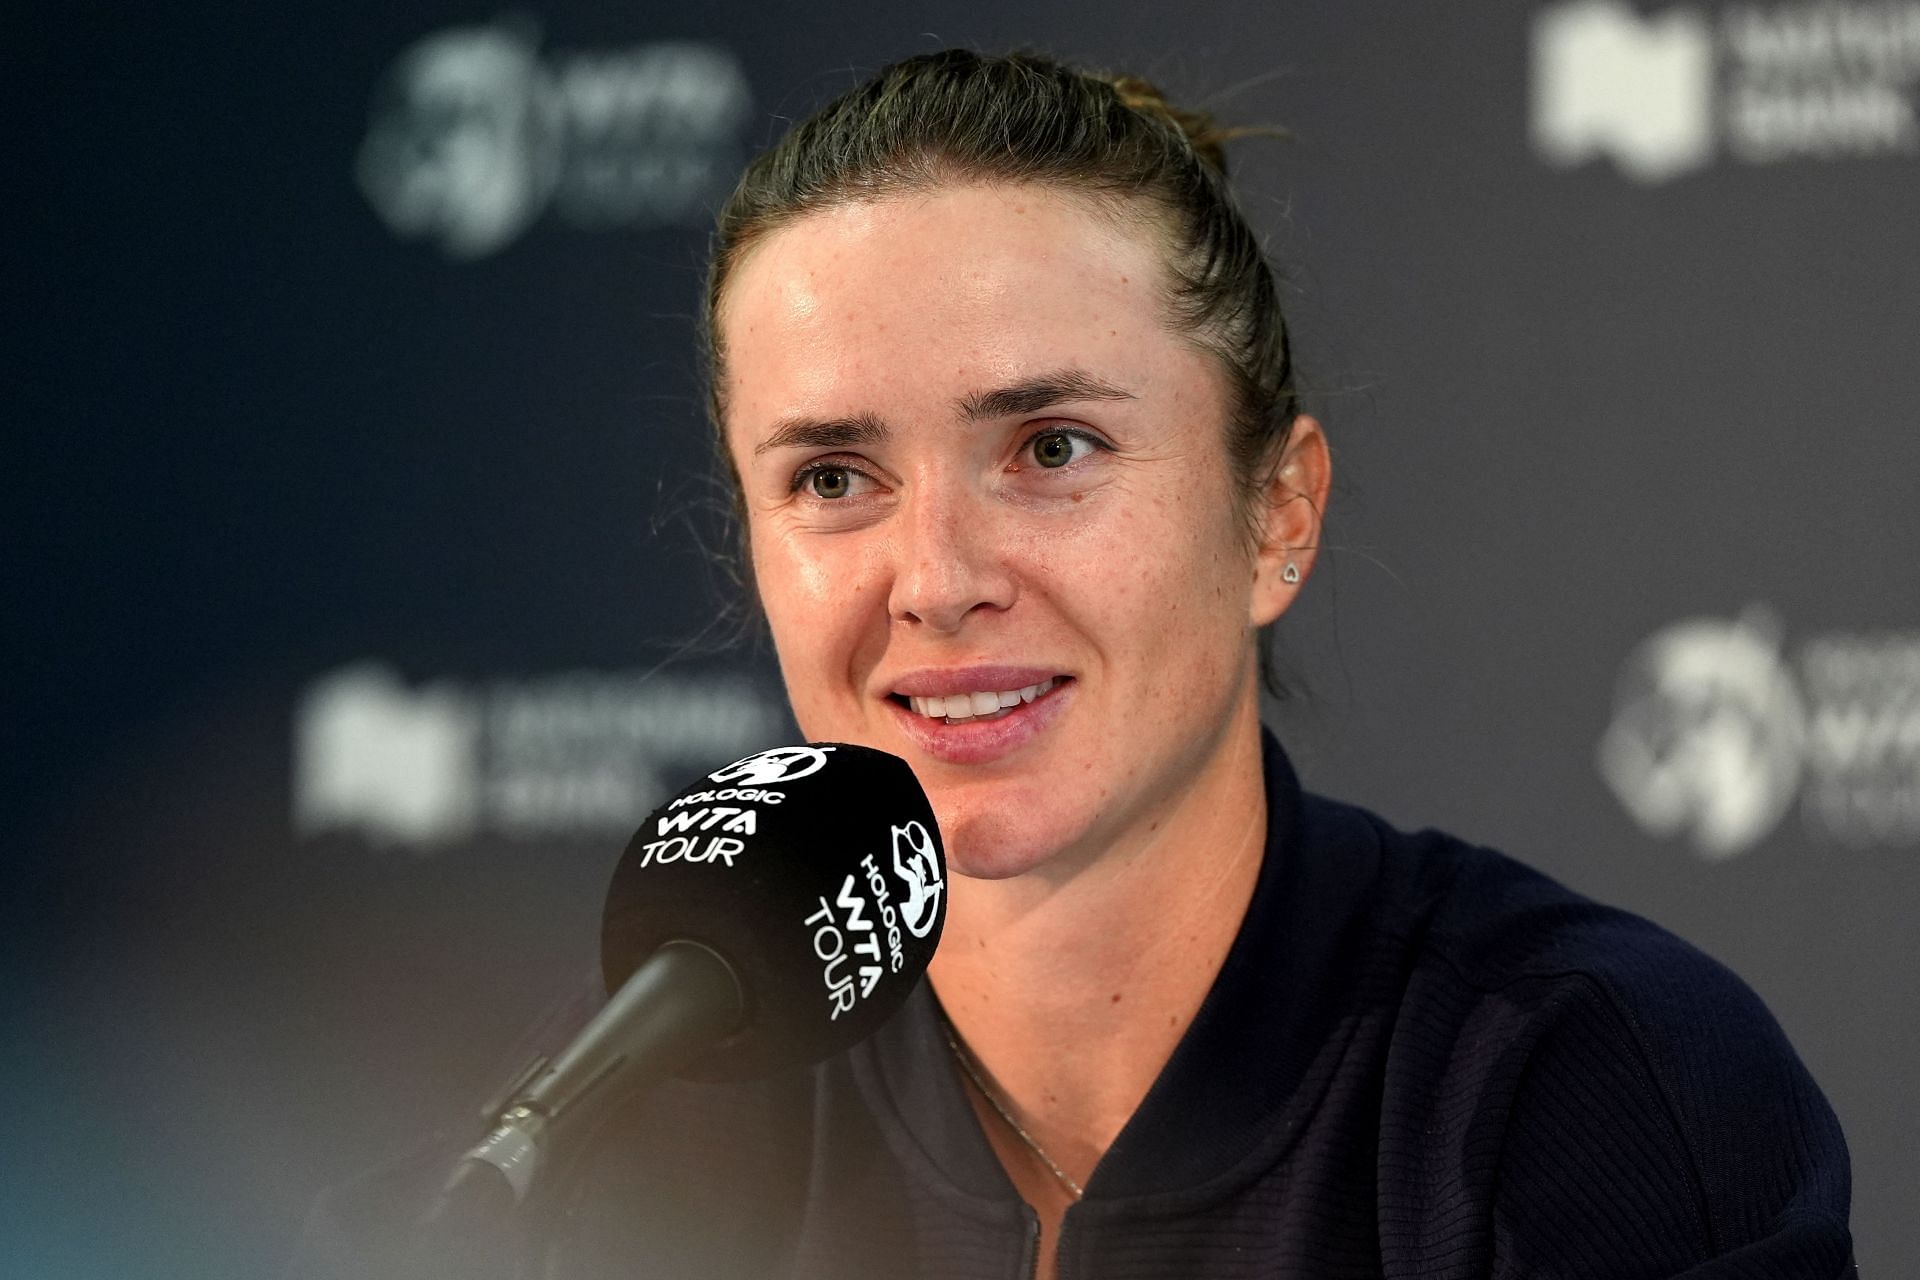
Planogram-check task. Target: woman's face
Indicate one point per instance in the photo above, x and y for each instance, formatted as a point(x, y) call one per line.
point(976, 460)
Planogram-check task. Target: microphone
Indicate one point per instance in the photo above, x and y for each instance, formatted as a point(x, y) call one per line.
point(774, 913)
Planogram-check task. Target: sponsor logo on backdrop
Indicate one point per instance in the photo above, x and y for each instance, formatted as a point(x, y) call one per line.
point(1608, 82)
point(1719, 730)
point(475, 133)
point(1668, 91)
point(580, 755)
point(401, 764)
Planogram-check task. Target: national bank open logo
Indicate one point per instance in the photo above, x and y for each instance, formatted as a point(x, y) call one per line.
point(1606, 81)
point(574, 755)
point(1718, 731)
point(1665, 92)
point(403, 765)
point(474, 134)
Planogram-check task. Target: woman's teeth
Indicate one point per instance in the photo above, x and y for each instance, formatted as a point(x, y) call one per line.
point(961, 707)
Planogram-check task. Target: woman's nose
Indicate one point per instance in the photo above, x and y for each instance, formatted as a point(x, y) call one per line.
point(950, 560)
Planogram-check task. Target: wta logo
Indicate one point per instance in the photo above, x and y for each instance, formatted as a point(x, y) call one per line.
point(475, 132)
point(918, 867)
point(857, 936)
point(781, 764)
point(1717, 732)
point(1706, 734)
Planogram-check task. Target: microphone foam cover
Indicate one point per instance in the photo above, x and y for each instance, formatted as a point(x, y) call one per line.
point(816, 871)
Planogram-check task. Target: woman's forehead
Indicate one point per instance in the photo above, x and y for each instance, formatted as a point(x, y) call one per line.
point(968, 285)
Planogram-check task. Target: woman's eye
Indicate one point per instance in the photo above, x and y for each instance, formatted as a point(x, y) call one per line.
point(830, 482)
point(1053, 449)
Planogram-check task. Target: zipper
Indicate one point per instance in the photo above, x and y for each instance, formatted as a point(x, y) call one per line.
point(1060, 1269)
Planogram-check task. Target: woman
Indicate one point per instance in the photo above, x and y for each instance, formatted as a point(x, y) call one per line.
point(982, 439)
point(1002, 378)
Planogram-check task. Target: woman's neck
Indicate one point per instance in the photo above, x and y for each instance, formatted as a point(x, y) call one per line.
point(1070, 992)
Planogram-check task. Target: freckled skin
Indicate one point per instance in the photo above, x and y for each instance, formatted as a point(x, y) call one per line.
point(1126, 570)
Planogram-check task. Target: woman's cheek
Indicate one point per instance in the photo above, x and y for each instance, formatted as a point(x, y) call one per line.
point(795, 568)
point(820, 577)
point(1117, 547)
point(828, 608)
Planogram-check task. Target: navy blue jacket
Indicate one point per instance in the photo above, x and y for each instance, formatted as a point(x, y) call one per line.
point(1420, 1059)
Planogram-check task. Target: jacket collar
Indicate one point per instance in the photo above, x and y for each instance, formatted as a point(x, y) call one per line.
point(1244, 1075)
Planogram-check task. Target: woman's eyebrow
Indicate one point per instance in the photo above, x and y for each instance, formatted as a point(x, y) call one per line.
point(1030, 395)
point(823, 433)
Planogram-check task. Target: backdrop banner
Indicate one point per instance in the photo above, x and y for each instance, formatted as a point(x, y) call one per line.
point(373, 569)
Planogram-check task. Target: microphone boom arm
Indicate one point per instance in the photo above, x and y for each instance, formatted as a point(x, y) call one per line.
point(682, 1001)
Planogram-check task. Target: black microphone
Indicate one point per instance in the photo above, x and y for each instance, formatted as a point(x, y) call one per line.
point(775, 912)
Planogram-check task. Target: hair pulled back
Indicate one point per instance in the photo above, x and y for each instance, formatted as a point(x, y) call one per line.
point(1023, 118)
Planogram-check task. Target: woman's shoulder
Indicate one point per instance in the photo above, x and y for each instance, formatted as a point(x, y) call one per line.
point(1495, 923)
point(1494, 933)
point(1587, 1067)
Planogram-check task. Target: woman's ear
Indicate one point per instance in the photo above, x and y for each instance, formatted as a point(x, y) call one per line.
point(1289, 506)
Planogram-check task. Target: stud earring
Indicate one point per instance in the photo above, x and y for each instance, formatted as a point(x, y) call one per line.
point(1290, 574)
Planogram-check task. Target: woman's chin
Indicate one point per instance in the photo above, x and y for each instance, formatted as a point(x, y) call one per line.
point(1000, 846)
point(995, 866)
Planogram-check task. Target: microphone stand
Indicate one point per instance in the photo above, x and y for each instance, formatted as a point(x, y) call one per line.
point(681, 1002)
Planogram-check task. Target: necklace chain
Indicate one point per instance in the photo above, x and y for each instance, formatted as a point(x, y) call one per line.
point(965, 1060)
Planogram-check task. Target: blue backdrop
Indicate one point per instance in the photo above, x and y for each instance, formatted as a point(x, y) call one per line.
point(365, 585)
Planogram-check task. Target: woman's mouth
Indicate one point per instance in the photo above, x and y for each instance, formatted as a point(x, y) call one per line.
point(978, 726)
point(986, 704)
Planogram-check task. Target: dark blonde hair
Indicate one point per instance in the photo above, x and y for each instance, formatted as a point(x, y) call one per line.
point(962, 117)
